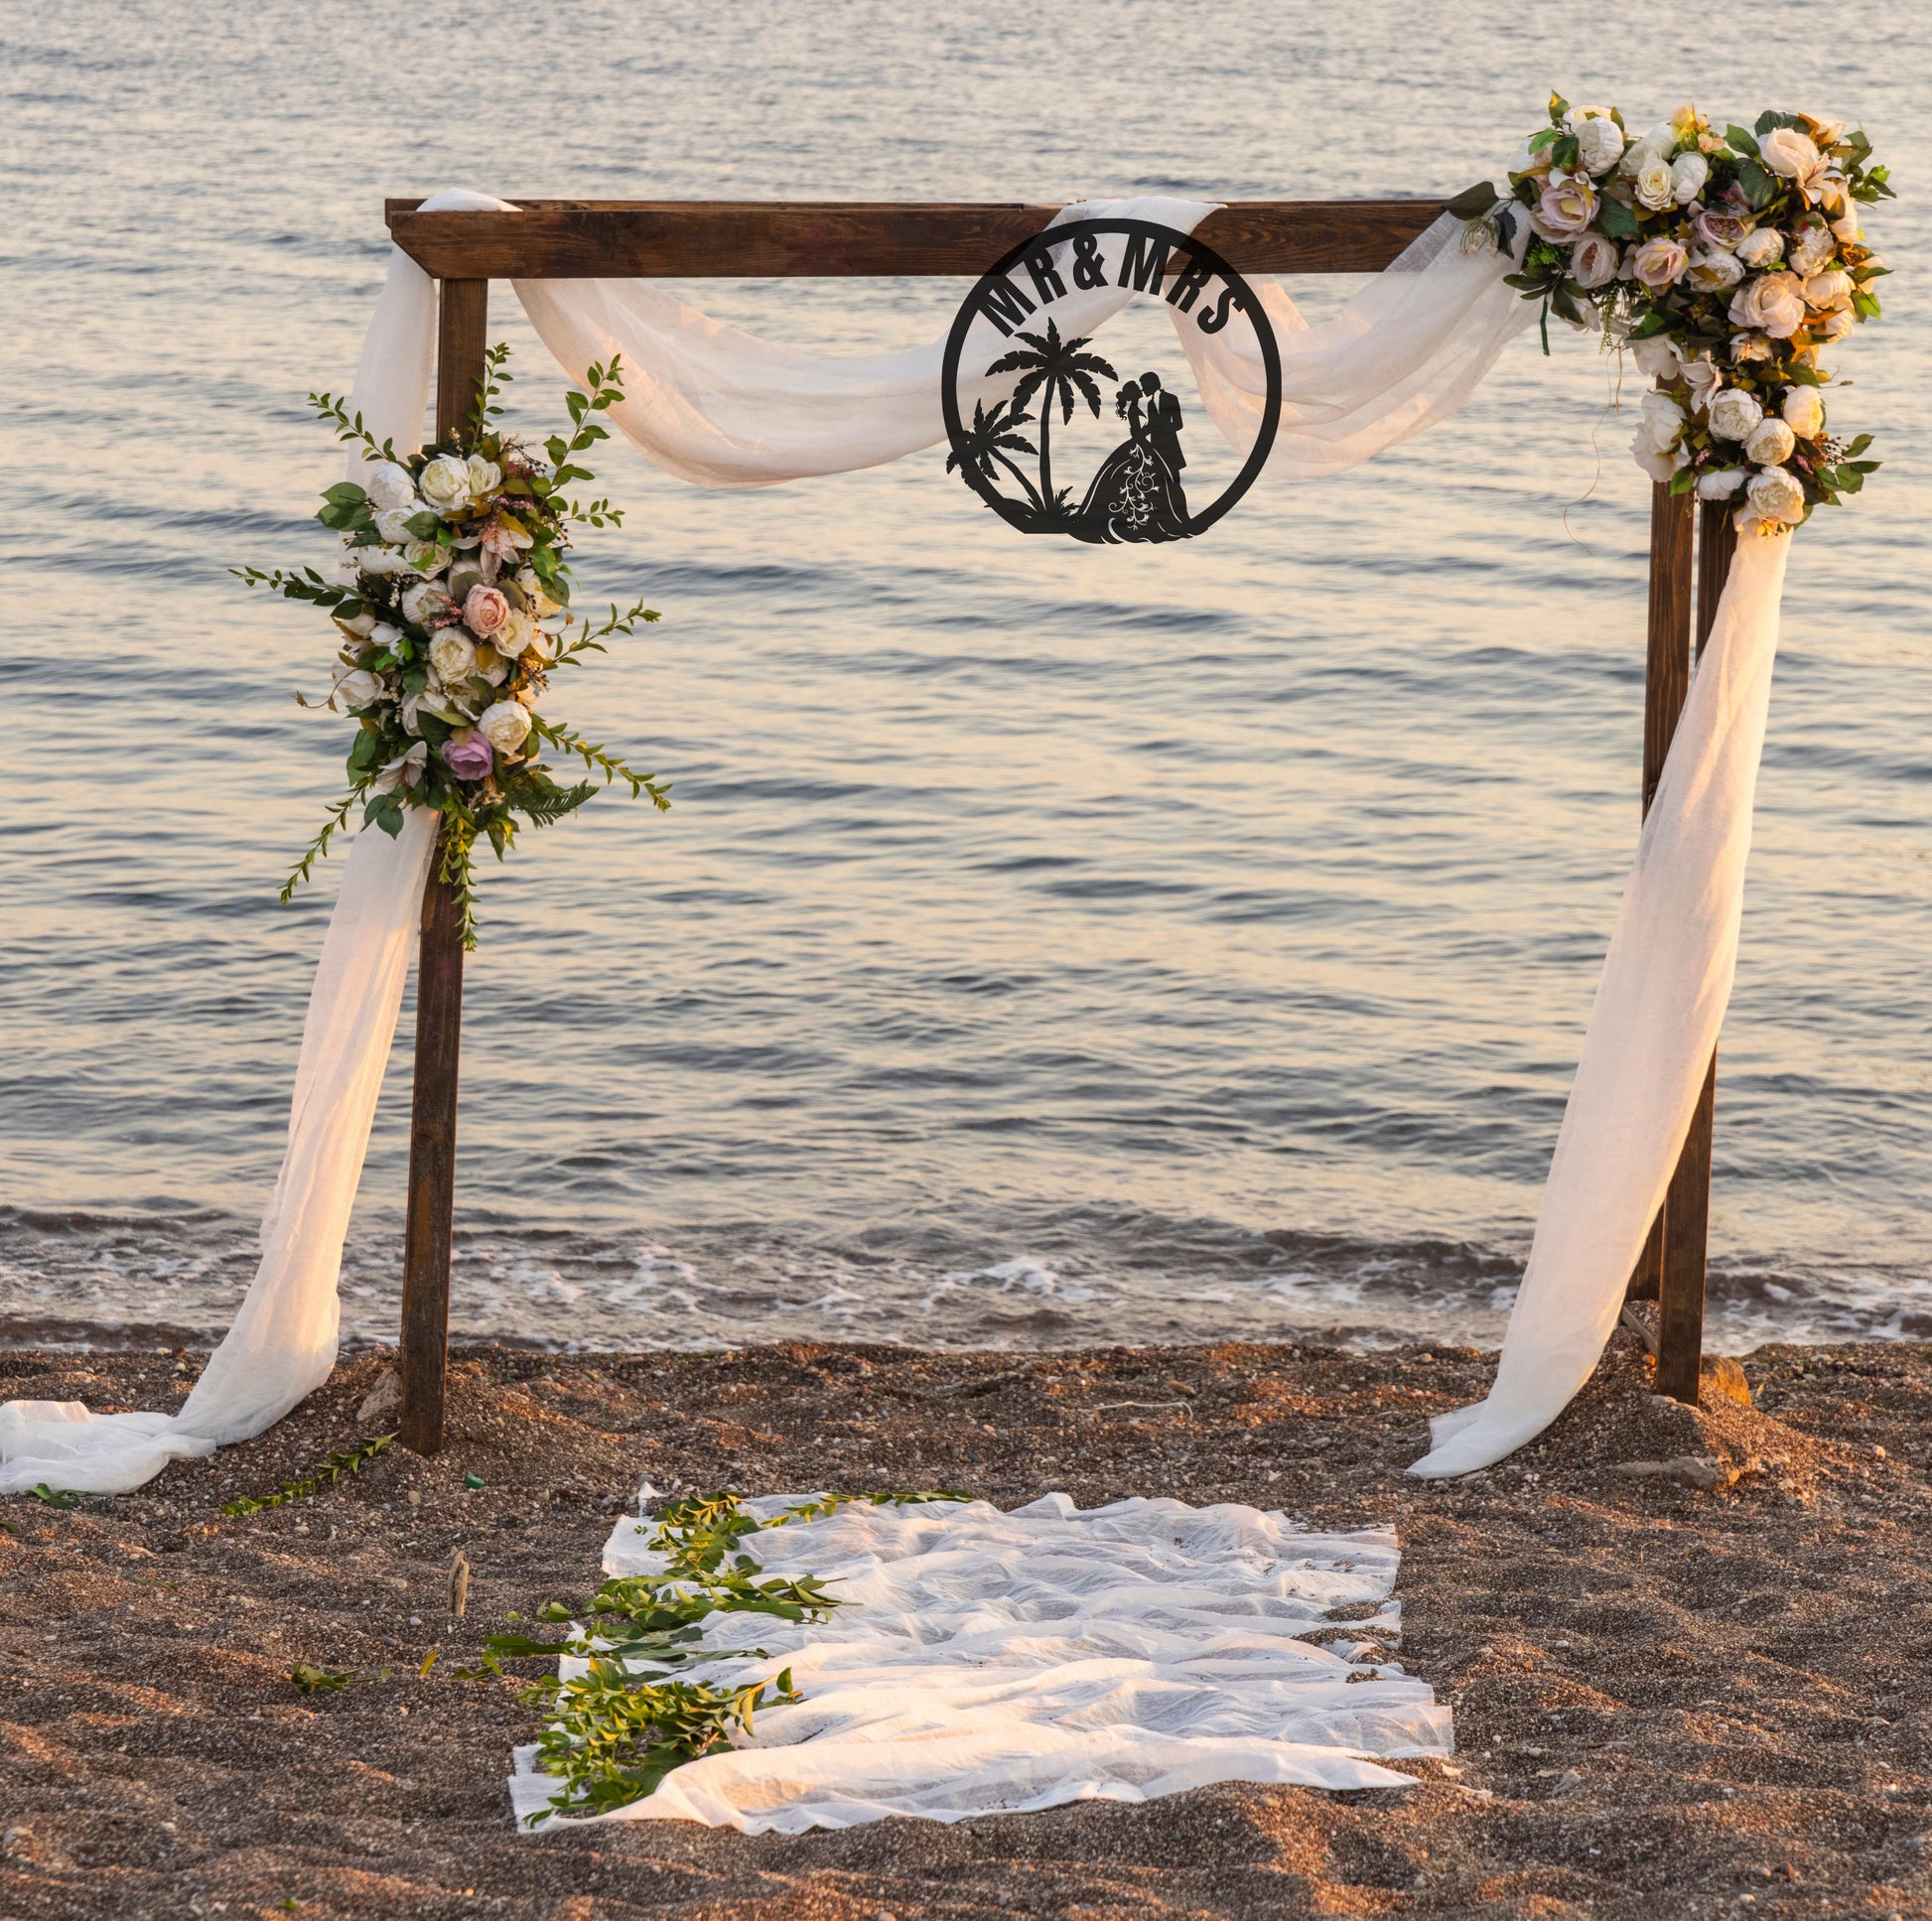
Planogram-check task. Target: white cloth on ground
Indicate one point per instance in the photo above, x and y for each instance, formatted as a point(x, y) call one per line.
point(985, 1663)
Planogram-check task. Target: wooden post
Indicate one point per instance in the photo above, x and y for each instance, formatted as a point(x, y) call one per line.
point(1666, 686)
point(1687, 1207)
point(461, 337)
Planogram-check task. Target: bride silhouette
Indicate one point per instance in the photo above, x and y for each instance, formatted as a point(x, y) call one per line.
point(1137, 494)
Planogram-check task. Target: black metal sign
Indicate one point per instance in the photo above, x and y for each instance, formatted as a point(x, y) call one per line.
point(1039, 375)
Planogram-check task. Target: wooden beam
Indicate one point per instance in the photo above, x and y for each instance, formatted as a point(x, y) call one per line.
point(755, 239)
point(1666, 685)
point(461, 335)
point(1687, 1208)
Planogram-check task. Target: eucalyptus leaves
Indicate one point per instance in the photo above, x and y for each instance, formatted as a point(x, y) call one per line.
point(451, 609)
point(1728, 261)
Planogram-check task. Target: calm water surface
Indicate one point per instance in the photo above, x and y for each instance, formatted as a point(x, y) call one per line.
point(1047, 946)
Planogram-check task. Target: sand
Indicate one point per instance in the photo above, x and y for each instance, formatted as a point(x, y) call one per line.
point(1671, 1698)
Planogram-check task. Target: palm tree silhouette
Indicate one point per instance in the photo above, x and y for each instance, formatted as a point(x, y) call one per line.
point(1056, 370)
point(991, 439)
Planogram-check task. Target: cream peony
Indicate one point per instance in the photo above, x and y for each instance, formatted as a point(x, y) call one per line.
point(1659, 263)
point(1600, 143)
point(361, 626)
point(424, 601)
point(519, 630)
point(454, 656)
point(1657, 357)
point(1660, 428)
point(358, 689)
point(1835, 325)
point(1749, 347)
point(1788, 151)
point(1734, 414)
point(1845, 226)
point(1828, 290)
point(1760, 247)
point(1720, 482)
point(446, 484)
point(1718, 230)
point(1704, 378)
point(382, 635)
point(381, 561)
point(1594, 259)
point(1771, 442)
point(392, 523)
point(1804, 412)
point(1688, 174)
point(1812, 245)
point(492, 666)
point(389, 485)
point(1711, 273)
point(1776, 496)
point(1656, 186)
point(506, 726)
point(1773, 303)
point(486, 476)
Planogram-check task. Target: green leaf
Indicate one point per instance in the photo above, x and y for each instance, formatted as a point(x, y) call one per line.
point(1653, 322)
point(1558, 109)
point(1805, 376)
point(1617, 219)
point(1858, 446)
point(1740, 141)
point(344, 493)
point(1761, 187)
point(1473, 202)
point(1683, 480)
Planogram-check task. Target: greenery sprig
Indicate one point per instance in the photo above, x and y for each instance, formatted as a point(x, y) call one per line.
point(344, 1462)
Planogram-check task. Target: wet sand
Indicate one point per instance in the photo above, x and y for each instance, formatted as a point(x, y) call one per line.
point(1671, 1698)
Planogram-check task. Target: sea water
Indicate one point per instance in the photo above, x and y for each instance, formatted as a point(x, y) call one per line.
point(1046, 944)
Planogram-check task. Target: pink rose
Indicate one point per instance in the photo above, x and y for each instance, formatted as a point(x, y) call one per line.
point(484, 611)
point(1565, 210)
point(1717, 229)
point(1659, 263)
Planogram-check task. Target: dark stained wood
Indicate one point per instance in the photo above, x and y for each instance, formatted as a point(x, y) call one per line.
point(462, 329)
point(753, 239)
point(1687, 1209)
point(1666, 684)
point(1686, 1222)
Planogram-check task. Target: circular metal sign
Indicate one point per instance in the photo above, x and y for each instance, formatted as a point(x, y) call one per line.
point(1038, 376)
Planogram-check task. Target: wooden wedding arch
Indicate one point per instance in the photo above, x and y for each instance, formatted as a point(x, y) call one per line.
point(757, 239)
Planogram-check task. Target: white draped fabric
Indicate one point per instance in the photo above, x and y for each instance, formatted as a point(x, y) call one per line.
point(987, 1663)
point(721, 408)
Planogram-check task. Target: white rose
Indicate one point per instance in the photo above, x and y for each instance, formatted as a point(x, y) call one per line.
point(1749, 347)
point(446, 484)
point(1654, 145)
point(382, 635)
point(1600, 143)
point(1835, 325)
point(1688, 174)
point(392, 523)
point(492, 666)
point(1720, 482)
point(1788, 151)
point(381, 561)
point(1776, 496)
point(1660, 423)
point(1593, 260)
point(506, 726)
point(454, 656)
point(1734, 414)
point(1845, 226)
point(1771, 442)
point(358, 689)
point(1773, 303)
point(1804, 412)
point(361, 626)
point(1828, 290)
point(1713, 272)
point(486, 476)
point(1657, 357)
point(1656, 187)
point(389, 485)
point(1813, 246)
point(1760, 246)
point(518, 633)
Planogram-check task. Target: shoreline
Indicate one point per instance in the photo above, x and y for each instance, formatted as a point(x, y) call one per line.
point(1666, 1695)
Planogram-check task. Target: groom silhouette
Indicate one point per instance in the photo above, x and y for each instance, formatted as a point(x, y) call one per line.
point(1164, 432)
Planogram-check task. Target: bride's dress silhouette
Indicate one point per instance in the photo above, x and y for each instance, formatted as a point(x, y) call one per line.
point(1137, 494)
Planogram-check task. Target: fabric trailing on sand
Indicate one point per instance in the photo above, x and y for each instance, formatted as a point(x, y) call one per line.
point(984, 1663)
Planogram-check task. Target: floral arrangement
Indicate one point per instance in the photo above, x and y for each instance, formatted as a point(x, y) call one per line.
point(450, 610)
point(1727, 261)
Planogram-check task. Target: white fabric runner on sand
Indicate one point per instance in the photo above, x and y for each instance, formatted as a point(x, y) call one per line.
point(988, 1663)
point(722, 408)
